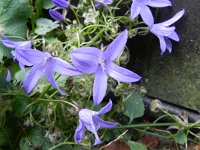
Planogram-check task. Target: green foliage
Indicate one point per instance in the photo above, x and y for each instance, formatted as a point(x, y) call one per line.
point(44, 119)
point(181, 137)
point(136, 146)
point(13, 19)
point(3, 137)
point(47, 4)
point(3, 83)
point(133, 106)
point(44, 26)
point(19, 104)
point(34, 139)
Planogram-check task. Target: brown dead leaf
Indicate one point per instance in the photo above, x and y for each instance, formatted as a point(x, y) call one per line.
point(197, 147)
point(116, 145)
point(149, 141)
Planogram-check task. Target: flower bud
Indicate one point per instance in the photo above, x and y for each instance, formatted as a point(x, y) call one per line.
point(60, 3)
point(56, 15)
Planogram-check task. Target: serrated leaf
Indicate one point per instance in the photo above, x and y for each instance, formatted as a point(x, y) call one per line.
point(181, 137)
point(136, 146)
point(44, 26)
point(13, 17)
point(133, 106)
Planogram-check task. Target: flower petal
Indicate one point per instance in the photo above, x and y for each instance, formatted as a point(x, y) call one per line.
point(106, 108)
point(102, 123)
point(163, 45)
point(135, 10)
point(147, 15)
point(117, 46)
point(101, 2)
point(13, 44)
point(173, 19)
point(61, 3)
point(22, 61)
point(85, 115)
point(99, 86)
point(162, 30)
point(62, 67)
point(92, 127)
point(31, 56)
point(85, 59)
point(32, 77)
point(158, 3)
point(121, 74)
point(50, 77)
point(79, 133)
point(8, 76)
point(168, 44)
point(174, 36)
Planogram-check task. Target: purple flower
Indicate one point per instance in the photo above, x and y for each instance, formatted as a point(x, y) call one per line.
point(45, 64)
point(141, 7)
point(8, 76)
point(56, 15)
point(19, 47)
point(164, 32)
point(92, 60)
point(60, 3)
point(89, 119)
point(99, 3)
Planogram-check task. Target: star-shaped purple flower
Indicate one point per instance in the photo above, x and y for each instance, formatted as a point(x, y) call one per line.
point(164, 32)
point(141, 7)
point(19, 47)
point(89, 119)
point(45, 64)
point(92, 60)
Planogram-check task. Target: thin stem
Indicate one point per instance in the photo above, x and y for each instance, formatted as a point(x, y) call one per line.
point(60, 101)
point(67, 143)
point(153, 125)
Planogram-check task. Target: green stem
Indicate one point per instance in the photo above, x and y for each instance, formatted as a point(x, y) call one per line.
point(8, 139)
point(59, 101)
point(46, 89)
point(154, 125)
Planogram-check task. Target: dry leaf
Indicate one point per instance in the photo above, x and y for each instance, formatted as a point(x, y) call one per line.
point(150, 141)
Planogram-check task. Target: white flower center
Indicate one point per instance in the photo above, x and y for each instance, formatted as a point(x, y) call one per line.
point(102, 63)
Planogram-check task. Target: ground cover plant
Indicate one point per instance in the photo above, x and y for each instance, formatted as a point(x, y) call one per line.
point(64, 82)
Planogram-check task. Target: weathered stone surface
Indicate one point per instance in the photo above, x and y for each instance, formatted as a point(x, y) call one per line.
point(175, 77)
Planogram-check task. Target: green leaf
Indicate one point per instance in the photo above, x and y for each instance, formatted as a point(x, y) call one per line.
point(3, 83)
point(19, 104)
point(136, 146)
point(19, 76)
point(24, 144)
point(34, 139)
point(44, 26)
point(133, 106)
point(47, 4)
point(13, 17)
point(181, 137)
point(3, 138)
